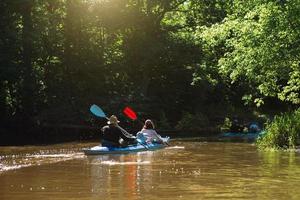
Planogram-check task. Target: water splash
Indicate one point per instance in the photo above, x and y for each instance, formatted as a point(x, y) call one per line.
point(13, 162)
point(4, 168)
point(176, 147)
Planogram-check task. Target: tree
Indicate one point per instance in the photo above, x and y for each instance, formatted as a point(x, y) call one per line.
point(259, 42)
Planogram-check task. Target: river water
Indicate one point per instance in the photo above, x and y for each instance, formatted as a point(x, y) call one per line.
point(188, 169)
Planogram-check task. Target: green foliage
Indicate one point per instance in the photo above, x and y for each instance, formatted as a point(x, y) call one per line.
point(282, 132)
point(168, 57)
point(192, 122)
point(225, 127)
point(258, 43)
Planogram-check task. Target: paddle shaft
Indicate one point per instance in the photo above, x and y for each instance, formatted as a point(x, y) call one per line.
point(124, 132)
point(96, 110)
point(128, 135)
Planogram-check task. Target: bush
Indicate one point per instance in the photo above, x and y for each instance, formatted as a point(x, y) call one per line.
point(282, 133)
point(192, 122)
point(225, 127)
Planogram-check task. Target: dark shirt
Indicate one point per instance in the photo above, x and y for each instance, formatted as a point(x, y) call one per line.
point(112, 135)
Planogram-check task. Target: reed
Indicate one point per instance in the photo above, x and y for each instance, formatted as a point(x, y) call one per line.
point(282, 133)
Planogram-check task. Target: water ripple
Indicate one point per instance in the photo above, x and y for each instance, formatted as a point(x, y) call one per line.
point(13, 162)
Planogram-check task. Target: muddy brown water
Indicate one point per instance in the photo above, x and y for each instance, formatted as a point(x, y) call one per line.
point(188, 169)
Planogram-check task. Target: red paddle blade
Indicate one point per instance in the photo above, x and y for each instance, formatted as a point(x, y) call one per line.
point(130, 113)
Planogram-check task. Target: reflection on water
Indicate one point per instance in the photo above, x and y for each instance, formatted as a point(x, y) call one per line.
point(132, 171)
point(188, 169)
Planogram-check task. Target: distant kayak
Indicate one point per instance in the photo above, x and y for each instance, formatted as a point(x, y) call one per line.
point(100, 150)
point(242, 135)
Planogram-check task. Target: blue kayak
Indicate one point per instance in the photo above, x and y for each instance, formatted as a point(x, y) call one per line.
point(100, 150)
point(247, 135)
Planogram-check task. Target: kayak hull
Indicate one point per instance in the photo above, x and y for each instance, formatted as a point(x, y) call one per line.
point(100, 150)
point(243, 135)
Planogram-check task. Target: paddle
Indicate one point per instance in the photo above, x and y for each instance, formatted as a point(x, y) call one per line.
point(96, 110)
point(130, 113)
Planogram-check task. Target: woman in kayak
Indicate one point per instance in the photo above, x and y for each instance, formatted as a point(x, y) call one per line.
point(148, 134)
point(113, 135)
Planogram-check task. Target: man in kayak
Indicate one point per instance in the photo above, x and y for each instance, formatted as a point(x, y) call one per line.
point(114, 135)
point(148, 134)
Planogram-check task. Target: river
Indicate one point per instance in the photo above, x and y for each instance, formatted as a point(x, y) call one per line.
point(190, 169)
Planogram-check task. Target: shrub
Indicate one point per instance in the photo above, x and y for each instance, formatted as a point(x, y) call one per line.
point(282, 133)
point(192, 122)
point(225, 127)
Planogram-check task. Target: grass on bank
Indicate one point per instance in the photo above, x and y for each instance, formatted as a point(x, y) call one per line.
point(282, 133)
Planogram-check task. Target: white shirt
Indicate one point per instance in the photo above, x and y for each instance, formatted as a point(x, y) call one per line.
point(151, 135)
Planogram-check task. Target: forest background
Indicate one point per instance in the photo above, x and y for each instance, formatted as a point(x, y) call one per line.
point(187, 64)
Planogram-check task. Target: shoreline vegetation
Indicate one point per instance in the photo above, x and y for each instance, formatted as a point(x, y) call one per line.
point(283, 132)
point(186, 64)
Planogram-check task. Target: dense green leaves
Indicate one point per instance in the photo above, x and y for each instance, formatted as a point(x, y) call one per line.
point(282, 133)
point(261, 47)
point(170, 59)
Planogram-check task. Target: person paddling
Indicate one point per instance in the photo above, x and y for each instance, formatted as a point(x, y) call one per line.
point(113, 135)
point(148, 134)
